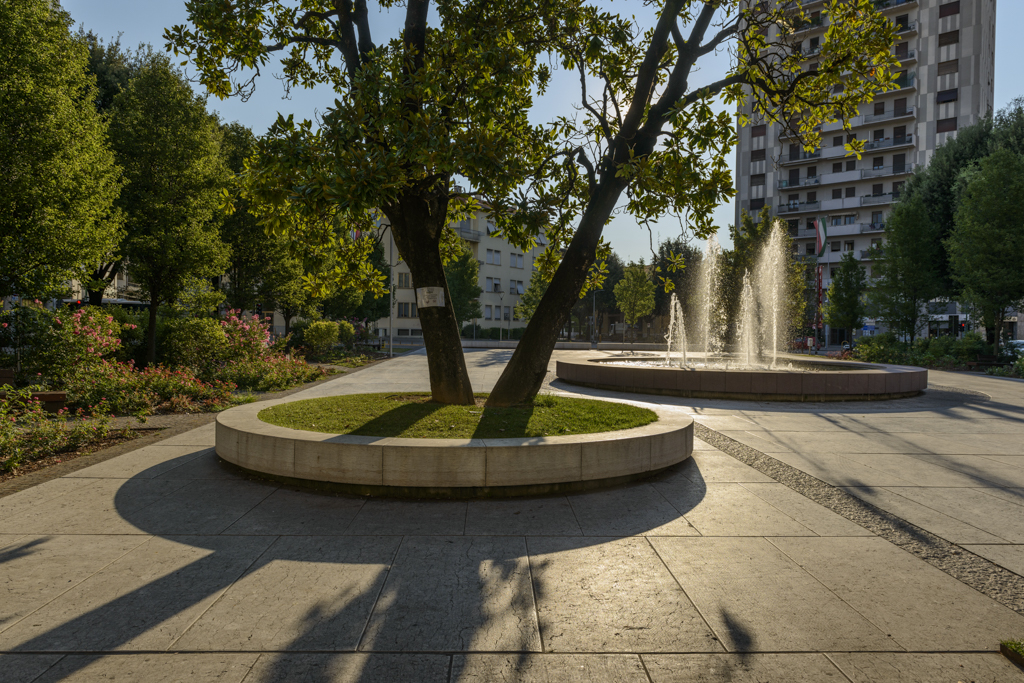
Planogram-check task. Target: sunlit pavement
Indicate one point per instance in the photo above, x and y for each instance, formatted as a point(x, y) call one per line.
point(162, 565)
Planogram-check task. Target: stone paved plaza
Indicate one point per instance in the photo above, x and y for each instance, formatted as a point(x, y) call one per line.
point(164, 565)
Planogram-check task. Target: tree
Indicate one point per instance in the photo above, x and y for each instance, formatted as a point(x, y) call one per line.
point(907, 272)
point(59, 178)
point(845, 308)
point(527, 304)
point(679, 260)
point(355, 302)
point(463, 276)
point(634, 294)
point(648, 129)
point(986, 246)
point(169, 147)
point(410, 113)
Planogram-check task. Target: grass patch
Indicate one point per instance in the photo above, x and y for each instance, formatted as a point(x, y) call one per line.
point(1016, 646)
point(414, 415)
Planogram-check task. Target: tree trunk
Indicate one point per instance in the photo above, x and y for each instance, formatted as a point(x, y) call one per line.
point(151, 331)
point(95, 297)
point(525, 372)
point(287, 321)
point(417, 223)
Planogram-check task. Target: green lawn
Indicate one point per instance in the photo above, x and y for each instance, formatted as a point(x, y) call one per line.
point(414, 415)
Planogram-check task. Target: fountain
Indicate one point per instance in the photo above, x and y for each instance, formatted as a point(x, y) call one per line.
point(756, 367)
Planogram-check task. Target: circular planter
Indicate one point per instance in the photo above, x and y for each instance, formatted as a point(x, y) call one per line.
point(830, 381)
point(462, 468)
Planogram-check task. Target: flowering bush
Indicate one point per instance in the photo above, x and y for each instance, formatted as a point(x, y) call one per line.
point(247, 338)
point(28, 433)
point(129, 391)
point(273, 373)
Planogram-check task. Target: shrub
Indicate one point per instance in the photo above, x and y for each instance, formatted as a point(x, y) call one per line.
point(247, 338)
point(346, 332)
point(199, 344)
point(29, 433)
point(321, 336)
point(273, 373)
point(128, 391)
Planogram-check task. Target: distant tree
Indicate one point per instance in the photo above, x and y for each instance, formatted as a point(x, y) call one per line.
point(907, 271)
point(634, 294)
point(527, 303)
point(986, 246)
point(58, 177)
point(845, 307)
point(169, 147)
point(684, 258)
point(353, 302)
point(463, 276)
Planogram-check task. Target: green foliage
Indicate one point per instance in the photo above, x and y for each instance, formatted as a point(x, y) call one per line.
point(634, 294)
point(59, 175)
point(273, 373)
point(907, 272)
point(198, 344)
point(845, 308)
point(320, 336)
point(129, 391)
point(169, 148)
point(346, 333)
point(944, 353)
point(677, 262)
point(528, 302)
point(463, 276)
point(986, 246)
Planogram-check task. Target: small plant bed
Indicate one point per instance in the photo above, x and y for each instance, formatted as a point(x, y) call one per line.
point(1013, 650)
point(414, 415)
point(88, 447)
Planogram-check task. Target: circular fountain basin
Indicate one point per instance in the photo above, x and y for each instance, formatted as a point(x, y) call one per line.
point(800, 380)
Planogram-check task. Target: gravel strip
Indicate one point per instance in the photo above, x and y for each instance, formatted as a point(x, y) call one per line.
point(977, 572)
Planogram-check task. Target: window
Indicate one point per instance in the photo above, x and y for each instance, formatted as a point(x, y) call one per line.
point(899, 163)
point(879, 108)
point(876, 217)
point(902, 50)
point(511, 286)
point(794, 199)
point(902, 22)
point(837, 141)
point(757, 179)
point(815, 44)
point(758, 131)
point(497, 257)
point(837, 168)
point(878, 134)
point(403, 333)
point(832, 269)
point(497, 285)
point(949, 38)
point(899, 107)
point(851, 192)
point(878, 163)
point(407, 310)
point(812, 197)
point(809, 248)
point(515, 260)
point(950, 67)
point(949, 9)
point(794, 152)
point(487, 312)
point(757, 204)
point(810, 224)
point(794, 227)
point(416, 333)
point(834, 246)
point(837, 194)
point(851, 165)
point(950, 95)
point(813, 68)
point(489, 286)
point(945, 125)
point(519, 287)
point(404, 280)
point(896, 189)
point(851, 137)
point(835, 220)
point(812, 171)
point(838, 88)
point(757, 155)
point(876, 190)
point(507, 315)
point(848, 246)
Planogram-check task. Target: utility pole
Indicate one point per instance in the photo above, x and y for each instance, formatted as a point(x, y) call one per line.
point(391, 294)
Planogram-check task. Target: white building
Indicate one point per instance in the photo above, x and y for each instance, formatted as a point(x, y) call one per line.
point(946, 82)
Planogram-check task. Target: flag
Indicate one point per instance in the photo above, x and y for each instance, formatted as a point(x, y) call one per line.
point(821, 234)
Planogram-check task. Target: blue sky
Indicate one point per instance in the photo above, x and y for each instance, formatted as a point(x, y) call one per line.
point(143, 21)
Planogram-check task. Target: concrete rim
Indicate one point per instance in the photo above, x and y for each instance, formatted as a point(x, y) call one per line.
point(458, 468)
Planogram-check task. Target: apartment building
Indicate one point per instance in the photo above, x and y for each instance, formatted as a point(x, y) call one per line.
point(945, 82)
point(504, 276)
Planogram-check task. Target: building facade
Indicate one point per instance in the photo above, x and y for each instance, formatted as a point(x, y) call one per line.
point(946, 82)
point(504, 276)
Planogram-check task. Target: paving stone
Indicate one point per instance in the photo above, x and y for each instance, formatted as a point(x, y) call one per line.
point(973, 506)
point(547, 668)
point(201, 507)
point(746, 668)
point(200, 436)
point(152, 668)
point(818, 519)
point(1011, 495)
point(917, 605)
point(521, 517)
point(207, 466)
point(143, 601)
point(730, 510)
point(885, 667)
point(612, 596)
point(757, 599)
point(350, 668)
point(27, 500)
point(298, 513)
point(408, 517)
point(719, 467)
point(37, 569)
point(1008, 556)
point(339, 581)
point(918, 471)
point(925, 517)
point(638, 509)
point(840, 471)
point(16, 668)
point(147, 462)
point(105, 507)
point(461, 593)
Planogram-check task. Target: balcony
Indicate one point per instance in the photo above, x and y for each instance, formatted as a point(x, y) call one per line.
point(904, 83)
point(884, 143)
point(909, 27)
point(802, 155)
point(884, 171)
point(869, 254)
point(892, 4)
point(872, 227)
point(876, 199)
point(887, 116)
point(470, 235)
point(798, 207)
point(803, 182)
point(908, 56)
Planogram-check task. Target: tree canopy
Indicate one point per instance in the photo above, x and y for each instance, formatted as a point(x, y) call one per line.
point(59, 176)
point(463, 276)
point(845, 308)
point(634, 293)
